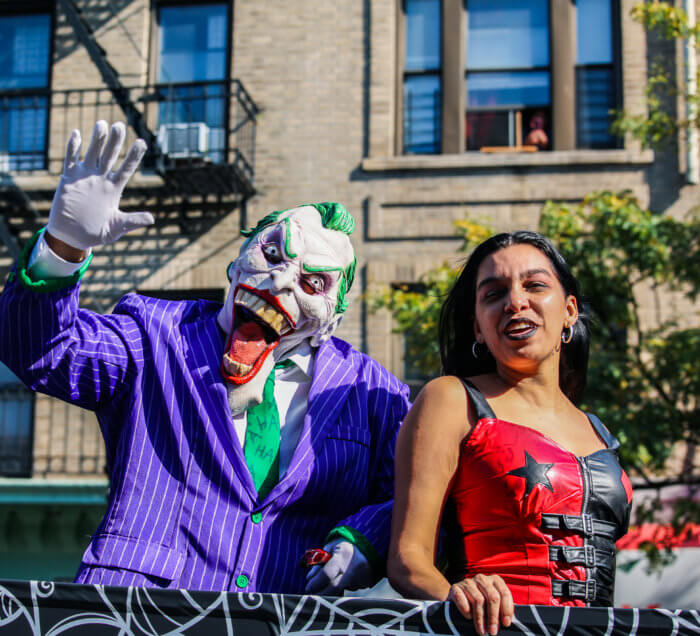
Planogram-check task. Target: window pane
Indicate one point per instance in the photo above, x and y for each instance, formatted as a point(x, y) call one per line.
point(192, 43)
point(423, 38)
point(23, 132)
point(509, 88)
point(500, 128)
point(488, 129)
point(422, 102)
point(595, 91)
point(202, 106)
point(507, 34)
point(15, 425)
point(594, 32)
point(24, 56)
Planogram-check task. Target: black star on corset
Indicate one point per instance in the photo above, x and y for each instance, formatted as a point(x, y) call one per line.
point(533, 473)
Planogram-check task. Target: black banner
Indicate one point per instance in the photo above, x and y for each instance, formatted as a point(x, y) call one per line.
point(46, 608)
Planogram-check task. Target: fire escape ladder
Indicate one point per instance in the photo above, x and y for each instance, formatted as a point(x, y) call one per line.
point(110, 76)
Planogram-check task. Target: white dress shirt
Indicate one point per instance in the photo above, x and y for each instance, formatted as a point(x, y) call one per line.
point(45, 263)
point(291, 392)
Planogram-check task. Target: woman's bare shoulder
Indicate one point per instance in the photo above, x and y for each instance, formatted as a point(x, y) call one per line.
point(442, 403)
point(446, 386)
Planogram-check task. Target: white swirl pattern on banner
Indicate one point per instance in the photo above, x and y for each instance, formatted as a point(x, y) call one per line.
point(148, 612)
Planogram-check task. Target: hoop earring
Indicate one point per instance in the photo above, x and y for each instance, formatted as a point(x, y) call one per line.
point(567, 337)
point(475, 353)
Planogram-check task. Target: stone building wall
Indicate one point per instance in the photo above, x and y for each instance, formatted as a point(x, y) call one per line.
point(325, 76)
point(327, 132)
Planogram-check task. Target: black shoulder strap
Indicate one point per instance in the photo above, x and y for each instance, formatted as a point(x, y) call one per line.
point(609, 439)
point(478, 400)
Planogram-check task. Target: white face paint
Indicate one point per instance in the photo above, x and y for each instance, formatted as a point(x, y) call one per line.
point(284, 289)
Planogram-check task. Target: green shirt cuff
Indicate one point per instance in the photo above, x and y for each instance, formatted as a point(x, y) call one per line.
point(41, 285)
point(362, 543)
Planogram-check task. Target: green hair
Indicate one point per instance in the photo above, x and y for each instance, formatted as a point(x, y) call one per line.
point(334, 216)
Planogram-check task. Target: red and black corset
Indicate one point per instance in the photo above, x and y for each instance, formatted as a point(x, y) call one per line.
point(542, 518)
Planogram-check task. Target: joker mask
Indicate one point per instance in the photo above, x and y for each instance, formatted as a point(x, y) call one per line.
point(288, 284)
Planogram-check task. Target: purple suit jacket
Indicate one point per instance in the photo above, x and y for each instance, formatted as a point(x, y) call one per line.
point(183, 512)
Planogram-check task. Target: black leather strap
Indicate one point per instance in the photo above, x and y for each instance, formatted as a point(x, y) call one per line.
point(583, 524)
point(610, 440)
point(581, 555)
point(585, 590)
point(481, 406)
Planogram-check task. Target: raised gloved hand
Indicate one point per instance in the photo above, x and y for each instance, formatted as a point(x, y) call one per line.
point(347, 569)
point(85, 210)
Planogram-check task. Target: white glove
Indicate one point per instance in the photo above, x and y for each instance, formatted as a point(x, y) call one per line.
point(347, 569)
point(85, 210)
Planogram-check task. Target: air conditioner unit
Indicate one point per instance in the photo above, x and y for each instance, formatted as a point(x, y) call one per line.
point(184, 140)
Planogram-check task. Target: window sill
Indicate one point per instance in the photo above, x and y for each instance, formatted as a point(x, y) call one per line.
point(39, 491)
point(477, 160)
point(44, 180)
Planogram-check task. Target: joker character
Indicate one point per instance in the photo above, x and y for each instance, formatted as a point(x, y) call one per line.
point(237, 438)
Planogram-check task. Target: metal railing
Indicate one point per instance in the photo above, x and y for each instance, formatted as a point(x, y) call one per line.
point(67, 441)
point(42, 436)
point(194, 125)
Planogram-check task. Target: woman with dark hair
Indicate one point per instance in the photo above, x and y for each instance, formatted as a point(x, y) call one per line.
point(532, 482)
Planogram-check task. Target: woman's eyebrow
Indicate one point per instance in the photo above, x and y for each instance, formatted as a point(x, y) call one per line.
point(489, 279)
point(532, 272)
point(525, 274)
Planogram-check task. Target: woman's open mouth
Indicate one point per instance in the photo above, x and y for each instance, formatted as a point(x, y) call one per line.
point(520, 329)
point(259, 321)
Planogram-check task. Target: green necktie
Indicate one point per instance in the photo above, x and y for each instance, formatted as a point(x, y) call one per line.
point(262, 437)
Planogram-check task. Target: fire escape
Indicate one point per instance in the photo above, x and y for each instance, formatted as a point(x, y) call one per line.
point(193, 174)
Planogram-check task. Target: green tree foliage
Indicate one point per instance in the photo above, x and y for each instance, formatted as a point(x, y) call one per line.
point(416, 311)
point(643, 380)
point(661, 123)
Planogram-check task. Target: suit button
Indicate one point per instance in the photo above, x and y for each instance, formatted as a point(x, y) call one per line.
point(242, 580)
point(256, 517)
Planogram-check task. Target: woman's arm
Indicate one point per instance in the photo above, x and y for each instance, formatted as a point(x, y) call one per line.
point(427, 454)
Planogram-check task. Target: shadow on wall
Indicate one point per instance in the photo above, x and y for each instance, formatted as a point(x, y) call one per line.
point(97, 13)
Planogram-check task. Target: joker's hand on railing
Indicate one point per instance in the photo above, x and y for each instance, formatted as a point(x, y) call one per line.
point(347, 569)
point(85, 210)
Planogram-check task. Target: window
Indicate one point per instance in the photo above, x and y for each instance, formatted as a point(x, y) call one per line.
point(508, 75)
point(24, 82)
point(16, 416)
point(596, 86)
point(422, 81)
point(192, 75)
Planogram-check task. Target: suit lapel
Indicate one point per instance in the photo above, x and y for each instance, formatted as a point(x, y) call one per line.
point(203, 349)
point(333, 378)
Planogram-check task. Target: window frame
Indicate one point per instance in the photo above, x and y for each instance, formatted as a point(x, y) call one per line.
point(615, 12)
point(562, 68)
point(511, 109)
point(154, 60)
point(439, 72)
point(29, 8)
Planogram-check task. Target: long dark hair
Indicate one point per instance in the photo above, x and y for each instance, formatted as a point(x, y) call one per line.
point(457, 318)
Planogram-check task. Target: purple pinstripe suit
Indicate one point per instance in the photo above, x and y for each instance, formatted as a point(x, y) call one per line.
point(182, 504)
